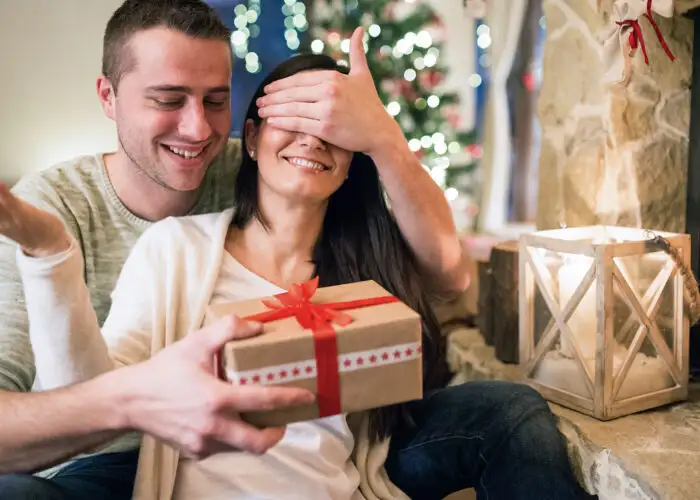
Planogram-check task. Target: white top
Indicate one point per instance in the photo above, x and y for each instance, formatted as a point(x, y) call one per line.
point(311, 462)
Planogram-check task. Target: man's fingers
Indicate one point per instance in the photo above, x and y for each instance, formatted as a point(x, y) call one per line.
point(296, 94)
point(296, 124)
point(292, 109)
point(224, 330)
point(242, 436)
point(260, 398)
point(358, 60)
point(303, 79)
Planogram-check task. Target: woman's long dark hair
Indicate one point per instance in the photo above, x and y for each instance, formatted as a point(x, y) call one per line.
point(360, 240)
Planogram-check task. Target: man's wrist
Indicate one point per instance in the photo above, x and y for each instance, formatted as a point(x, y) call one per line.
point(56, 246)
point(112, 401)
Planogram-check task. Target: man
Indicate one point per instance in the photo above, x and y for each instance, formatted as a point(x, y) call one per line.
point(165, 83)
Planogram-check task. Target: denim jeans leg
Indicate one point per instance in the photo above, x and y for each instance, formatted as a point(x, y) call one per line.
point(28, 487)
point(497, 437)
point(109, 476)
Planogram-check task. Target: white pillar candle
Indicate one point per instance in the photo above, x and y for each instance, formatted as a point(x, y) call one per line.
point(583, 321)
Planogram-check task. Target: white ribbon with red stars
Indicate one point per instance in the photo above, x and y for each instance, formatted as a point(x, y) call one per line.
point(306, 369)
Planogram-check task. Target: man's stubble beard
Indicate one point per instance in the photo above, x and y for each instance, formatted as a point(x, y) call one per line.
point(152, 173)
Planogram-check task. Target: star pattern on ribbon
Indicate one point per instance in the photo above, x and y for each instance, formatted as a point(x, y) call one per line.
point(305, 369)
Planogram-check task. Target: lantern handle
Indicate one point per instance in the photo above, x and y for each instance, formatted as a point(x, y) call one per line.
point(690, 284)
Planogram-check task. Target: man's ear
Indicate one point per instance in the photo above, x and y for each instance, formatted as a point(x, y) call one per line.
point(250, 132)
point(106, 94)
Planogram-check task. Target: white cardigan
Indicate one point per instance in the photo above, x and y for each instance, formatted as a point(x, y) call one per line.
point(161, 295)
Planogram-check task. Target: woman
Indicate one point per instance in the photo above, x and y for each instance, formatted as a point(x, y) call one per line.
point(306, 208)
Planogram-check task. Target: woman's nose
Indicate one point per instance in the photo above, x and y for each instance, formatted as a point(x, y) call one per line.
point(311, 141)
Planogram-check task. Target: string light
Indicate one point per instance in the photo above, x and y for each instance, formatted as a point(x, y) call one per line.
point(246, 28)
point(451, 194)
point(483, 29)
point(474, 80)
point(454, 147)
point(317, 46)
point(295, 21)
point(424, 40)
point(483, 41)
point(439, 174)
point(394, 108)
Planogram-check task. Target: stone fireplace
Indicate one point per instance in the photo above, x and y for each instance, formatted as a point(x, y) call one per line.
point(620, 154)
point(626, 155)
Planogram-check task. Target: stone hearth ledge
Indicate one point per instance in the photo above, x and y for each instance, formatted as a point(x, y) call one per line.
point(653, 455)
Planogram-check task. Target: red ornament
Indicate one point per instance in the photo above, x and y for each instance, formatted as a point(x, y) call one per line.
point(430, 79)
point(474, 150)
point(333, 37)
point(472, 210)
point(529, 81)
point(389, 11)
point(452, 115)
point(406, 90)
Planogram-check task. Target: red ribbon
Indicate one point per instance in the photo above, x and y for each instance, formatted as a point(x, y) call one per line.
point(636, 38)
point(319, 319)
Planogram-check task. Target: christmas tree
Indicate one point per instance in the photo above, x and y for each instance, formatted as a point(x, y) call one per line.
point(403, 41)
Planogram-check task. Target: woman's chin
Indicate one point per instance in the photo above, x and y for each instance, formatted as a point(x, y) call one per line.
point(299, 194)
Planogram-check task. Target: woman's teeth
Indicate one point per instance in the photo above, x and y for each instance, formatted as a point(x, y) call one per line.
point(185, 154)
point(308, 164)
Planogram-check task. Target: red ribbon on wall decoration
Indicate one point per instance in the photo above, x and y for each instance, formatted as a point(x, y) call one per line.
point(636, 38)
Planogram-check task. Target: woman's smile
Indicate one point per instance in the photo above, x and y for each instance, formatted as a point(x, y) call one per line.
point(307, 164)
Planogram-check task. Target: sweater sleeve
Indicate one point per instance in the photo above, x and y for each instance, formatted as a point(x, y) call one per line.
point(16, 357)
point(63, 328)
point(68, 344)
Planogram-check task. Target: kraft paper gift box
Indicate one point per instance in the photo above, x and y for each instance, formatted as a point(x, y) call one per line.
point(355, 346)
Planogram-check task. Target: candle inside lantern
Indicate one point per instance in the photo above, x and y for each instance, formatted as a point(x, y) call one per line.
point(583, 320)
point(558, 369)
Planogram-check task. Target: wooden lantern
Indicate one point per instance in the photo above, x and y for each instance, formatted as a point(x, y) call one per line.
point(603, 328)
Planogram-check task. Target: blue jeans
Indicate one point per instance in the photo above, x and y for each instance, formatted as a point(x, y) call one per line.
point(499, 438)
point(109, 476)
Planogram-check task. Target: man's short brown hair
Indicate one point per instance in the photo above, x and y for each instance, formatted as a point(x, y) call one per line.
point(191, 17)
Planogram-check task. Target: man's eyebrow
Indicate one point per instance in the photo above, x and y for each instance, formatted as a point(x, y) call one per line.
point(187, 90)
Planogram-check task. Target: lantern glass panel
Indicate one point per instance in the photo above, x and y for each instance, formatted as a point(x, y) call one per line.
point(561, 275)
point(637, 366)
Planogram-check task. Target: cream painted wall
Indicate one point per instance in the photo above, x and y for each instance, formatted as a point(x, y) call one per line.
point(50, 53)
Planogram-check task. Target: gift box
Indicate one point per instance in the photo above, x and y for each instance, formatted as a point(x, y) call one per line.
point(355, 346)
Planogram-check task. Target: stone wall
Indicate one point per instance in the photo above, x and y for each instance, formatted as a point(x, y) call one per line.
point(612, 154)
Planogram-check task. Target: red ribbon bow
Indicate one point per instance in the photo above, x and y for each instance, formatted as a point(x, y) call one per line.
point(319, 319)
point(636, 38)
